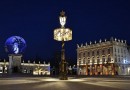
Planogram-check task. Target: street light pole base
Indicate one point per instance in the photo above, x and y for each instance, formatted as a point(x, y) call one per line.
point(63, 78)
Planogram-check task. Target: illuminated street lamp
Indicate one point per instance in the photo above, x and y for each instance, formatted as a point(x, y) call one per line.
point(63, 34)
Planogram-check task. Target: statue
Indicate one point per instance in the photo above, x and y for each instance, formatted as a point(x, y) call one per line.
point(16, 48)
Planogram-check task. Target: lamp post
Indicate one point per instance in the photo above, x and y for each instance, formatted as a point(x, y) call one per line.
point(63, 34)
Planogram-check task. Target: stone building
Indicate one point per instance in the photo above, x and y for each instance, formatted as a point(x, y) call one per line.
point(15, 46)
point(31, 68)
point(110, 57)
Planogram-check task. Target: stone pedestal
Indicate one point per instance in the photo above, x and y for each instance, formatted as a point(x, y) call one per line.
point(15, 63)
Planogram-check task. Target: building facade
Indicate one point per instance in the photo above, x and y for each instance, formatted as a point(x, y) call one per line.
point(27, 68)
point(104, 58)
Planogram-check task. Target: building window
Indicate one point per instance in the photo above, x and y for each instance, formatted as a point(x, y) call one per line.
point(88, 61)
point(92, 53)
point(83, 54)
point(109, 51)
point(93, 60)
point(121, 50)
point(103, 59)
point(121, 60)
point(98, 60)
point(84, 61)
point(103, 52)
point(109, 58)
point(89, 54)
point(118, 50)
point(97, 52)
point(118, 59)
point(115, 59)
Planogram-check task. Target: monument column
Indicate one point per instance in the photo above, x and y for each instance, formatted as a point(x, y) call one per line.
point(14, 46)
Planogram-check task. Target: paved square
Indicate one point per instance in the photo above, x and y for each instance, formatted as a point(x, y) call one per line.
point(51, 83)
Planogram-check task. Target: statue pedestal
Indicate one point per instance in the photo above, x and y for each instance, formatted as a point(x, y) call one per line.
point(15, 63)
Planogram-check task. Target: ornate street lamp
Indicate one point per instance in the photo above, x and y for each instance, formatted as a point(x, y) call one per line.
point(63, 34)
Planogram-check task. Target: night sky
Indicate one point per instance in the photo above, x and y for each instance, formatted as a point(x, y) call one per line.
point(36, 20)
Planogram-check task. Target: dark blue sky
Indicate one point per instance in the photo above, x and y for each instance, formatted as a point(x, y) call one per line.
point(36, 20)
